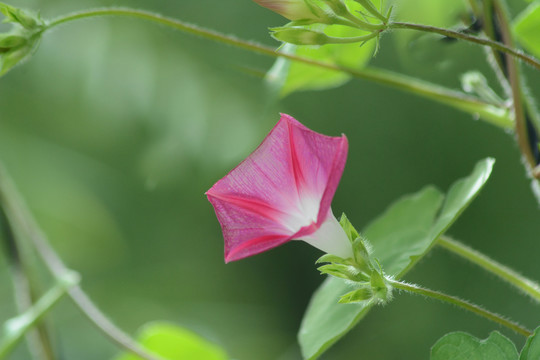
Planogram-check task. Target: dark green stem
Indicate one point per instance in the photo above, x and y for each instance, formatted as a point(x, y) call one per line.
point(470, 38)
point(476, 309)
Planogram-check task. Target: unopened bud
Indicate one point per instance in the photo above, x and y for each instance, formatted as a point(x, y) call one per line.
point(9, 41)
point(295, 9)
point(25, 18)
point(299, 36)
point(358, 295)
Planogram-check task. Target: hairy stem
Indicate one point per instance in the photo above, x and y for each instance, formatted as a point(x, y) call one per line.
point(476, 309)
point(490, 112)
point(20, 218)
point(527, 286)
point(470, 38)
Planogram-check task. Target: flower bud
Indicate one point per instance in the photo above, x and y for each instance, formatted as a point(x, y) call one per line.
point(300, 36)
point(25, 18)
point(9, 41)
point(294, 9)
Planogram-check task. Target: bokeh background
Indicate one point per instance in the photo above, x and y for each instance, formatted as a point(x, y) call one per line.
point(116, 128)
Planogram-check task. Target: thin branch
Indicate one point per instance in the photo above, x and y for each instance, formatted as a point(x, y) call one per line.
point(527, 286)
point(38, 339)
point(476, 309)
point(470, 38)
point(20, 218)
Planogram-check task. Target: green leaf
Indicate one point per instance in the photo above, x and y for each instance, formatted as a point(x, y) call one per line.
point(400, 237)
point(531, 350)
point(413, 45)
point(175, 343)
point(349, 229)
point(288, 76)
point(462, 346)
point(527, 28)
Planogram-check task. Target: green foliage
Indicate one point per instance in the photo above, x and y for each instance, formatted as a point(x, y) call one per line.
point(462, 346)
point(531, 350)
point(287, 77)
point(175, 343)
point(440, 13)
point(527, 28)
point(400, 237)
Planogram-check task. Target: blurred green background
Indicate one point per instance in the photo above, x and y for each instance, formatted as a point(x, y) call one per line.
point(115, 128)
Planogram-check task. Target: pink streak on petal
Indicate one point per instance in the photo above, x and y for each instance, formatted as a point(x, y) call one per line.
point(252, 205)
point(338, 165)
point(255, 246)
point(296, 168)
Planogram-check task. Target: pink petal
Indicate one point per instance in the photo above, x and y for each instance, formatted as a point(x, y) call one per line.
point(282, 191)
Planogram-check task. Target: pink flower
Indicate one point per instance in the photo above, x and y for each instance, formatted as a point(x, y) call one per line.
point(283, 191)
point(293, 9)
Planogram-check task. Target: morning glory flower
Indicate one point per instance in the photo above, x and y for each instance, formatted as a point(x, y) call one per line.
point(283, 191)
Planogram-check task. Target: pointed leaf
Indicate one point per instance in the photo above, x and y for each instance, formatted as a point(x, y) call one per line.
point(462, 346)
point(400, 237)
point(527, 28)
point(531, 350)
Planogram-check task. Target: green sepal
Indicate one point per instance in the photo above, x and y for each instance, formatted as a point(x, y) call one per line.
point(329, 258)
point(344, 272)
point(25, 18)
point(8, 41)
point(362, 255)
point(300, 36)
point(379, 286)
point(358, 295)
point(349, 229)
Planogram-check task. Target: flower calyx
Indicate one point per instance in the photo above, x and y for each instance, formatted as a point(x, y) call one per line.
point(362, 271)
point(311, 18)
point(23, 38)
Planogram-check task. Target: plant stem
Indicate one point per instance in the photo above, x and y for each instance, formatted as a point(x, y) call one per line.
point(529, 287)
point(21, 219)
point(478, 310)
point(516, 85)
point(490, 112)
point(17, 327)
point(470, 38)
point(38, 339)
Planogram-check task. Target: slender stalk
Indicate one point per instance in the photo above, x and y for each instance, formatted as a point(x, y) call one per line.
point(352, 40)
point(516, 85)
point(470, 38)
point(38, 339)
point(476, 309)
point(20, 218)
point(527, 286)
point(490, 112)
point(17, 327)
